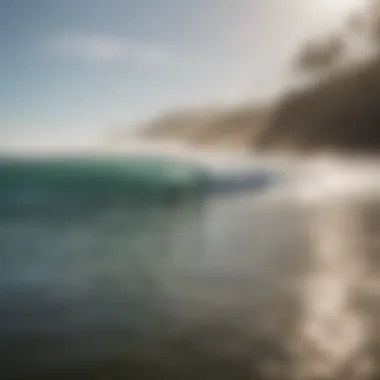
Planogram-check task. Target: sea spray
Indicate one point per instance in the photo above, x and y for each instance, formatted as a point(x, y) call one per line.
point(338, 289)
point(337, 333)
point(334, 332)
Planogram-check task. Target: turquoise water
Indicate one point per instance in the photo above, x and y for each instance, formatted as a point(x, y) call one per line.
point(102, 277)
point(99, 281)
point(96, 182)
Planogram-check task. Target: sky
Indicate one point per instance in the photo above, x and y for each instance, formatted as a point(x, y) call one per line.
point(73, 69)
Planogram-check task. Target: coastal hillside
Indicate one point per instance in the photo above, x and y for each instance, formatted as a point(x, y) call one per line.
point(341, 111)
point(229, 127)
point(336, 109)
point(183, 124)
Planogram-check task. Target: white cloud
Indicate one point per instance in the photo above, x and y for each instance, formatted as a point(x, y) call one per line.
point(110, 48)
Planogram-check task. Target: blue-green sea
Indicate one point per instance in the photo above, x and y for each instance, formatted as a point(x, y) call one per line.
point(96, 283)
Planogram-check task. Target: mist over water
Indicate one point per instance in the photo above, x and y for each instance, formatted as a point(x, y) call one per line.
point(336, 334)
point(275, 284)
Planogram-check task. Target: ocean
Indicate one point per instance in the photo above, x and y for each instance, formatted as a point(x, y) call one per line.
point(272, 284)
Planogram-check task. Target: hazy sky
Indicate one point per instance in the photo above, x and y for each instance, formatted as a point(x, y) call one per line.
point(75, 67)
